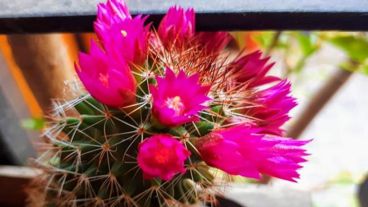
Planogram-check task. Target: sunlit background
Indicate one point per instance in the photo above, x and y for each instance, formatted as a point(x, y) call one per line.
point(338, 161)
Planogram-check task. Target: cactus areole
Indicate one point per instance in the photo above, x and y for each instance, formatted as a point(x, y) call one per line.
point(165, 115)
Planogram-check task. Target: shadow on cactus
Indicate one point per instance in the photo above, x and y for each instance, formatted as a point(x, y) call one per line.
point(169, 114)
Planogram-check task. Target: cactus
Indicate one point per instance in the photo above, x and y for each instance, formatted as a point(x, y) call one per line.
point(165, 122)
point(91, 160)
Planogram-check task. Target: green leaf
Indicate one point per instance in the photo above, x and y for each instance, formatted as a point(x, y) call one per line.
point(364, 68)
point(307, 42)
point(343, 178)
point(239, 38)
point(354, 46)
point(265, 38)
point(33, 123)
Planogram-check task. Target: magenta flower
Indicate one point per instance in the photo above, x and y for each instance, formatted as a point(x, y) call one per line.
point(112, 12)
point(273, 106)
point(120, 34)
point(213, 42)
point(178, 99)
point(253, 70)
point(273, 102)
point(177, 26)
point(240, 150)
point(107, 80)
point(162, 156)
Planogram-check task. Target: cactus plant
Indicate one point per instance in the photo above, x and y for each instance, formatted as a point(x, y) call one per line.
point(167, 116)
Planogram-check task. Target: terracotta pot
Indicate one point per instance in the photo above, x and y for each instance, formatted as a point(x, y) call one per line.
point(13, 181)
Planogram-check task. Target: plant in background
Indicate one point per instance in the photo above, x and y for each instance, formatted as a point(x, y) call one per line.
point(165, 111)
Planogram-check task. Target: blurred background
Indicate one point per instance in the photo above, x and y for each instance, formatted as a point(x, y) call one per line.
point(328, 71)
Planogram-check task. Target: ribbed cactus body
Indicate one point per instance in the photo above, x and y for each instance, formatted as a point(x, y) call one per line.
point(91, 160)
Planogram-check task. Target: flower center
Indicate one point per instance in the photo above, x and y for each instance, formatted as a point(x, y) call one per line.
point(162, 156)
point(175, 104)
point(124, 33)
point(104, 79)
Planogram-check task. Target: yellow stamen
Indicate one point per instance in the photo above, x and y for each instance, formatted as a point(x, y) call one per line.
point(124, 33)
point(176, 104)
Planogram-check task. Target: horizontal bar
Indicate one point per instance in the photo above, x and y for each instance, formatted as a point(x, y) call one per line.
point(33, 16)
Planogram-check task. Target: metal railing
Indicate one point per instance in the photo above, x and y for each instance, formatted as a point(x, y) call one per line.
point(35, 16)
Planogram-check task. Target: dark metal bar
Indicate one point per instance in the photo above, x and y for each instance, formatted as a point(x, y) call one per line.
point(35, 16)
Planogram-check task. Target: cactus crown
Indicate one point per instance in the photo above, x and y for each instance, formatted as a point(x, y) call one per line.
point(90, 158)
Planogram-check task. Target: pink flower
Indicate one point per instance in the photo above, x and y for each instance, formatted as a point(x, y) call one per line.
point(253, 70)
point(106, 79)
point(112, 12)
point(240, 150)
point(213, 42)
point(178, 99)
point(120, 34)
point(162, 156)
point(273, 102)
point(273, 106)
point(177, 26)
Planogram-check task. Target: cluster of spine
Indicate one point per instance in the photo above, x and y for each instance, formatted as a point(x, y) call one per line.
point(90, 157)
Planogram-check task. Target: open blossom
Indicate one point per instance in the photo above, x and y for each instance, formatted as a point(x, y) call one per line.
point(162, 156)
point(107, 80)
point(213, 42)
point(273, 106)
point(112, 12)
point(120, 34)
point(240, 150)
point(177, 26)
point(253, 69)
point(273, 101)
point(178, 99)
